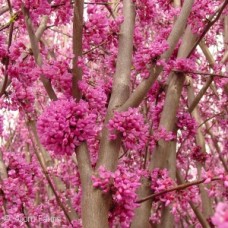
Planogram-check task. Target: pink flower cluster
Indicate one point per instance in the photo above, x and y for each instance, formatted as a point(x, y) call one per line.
point(37, 7)
point(23, 96)
point(19, 188)
point(159, 134)
point(95, 95)
point(131, 125)
point(181, 64)
point(198, 155)
point(64, 125)
point(1, 125)
point(16, 49)
point(220, 218)
point(186, 123)
point(58, 73)
point(3, 50)
point(98, 28)
point(148, 10)
point(63, 11)
point(123, 185)
point(201, 10)
point(147, 55)
point(160, 181)
point(162, 133)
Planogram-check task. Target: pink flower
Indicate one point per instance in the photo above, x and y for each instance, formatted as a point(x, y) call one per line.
point(220, 218)
point(64, 125)
point(131, 125)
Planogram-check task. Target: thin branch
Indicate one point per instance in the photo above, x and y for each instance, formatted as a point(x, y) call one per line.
point(205, 121)
point(95, 47)
point(216, 145)
point(32, 131)
point(55, 30)
point(200, 216)
point(77, 46)
point(12, 19)
point(4, 9)
point(140, 92)
point(36, 52)
point(7, 60)
point(109, 150)
point(177, 31)
point(200, 73)
point(177, 188)
point(200, 94)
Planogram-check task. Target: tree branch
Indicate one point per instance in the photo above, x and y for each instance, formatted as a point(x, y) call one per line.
point(177, 188)
point(177, 31)
point(33, 135)
point(77, 46)
point(36, 52)
point(109, 150)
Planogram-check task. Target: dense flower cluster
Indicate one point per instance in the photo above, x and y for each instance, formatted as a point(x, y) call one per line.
point(131, 125)
point(22, 96)
point(160, 181)
point(186, 123)
point(64, 125)
point(181, 64)
point(146, 56)
point(200, 12)
point(3, 50)
point(95, 95)
point(58, 73)
point(199, 139)
point(123, 185)
point(18, 188)
point(220, 218)
point(159, 134)
point(198, 155)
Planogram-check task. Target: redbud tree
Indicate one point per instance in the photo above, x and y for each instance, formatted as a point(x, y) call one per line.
point(113, 113)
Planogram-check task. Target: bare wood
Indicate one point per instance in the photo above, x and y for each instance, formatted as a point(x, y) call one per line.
point(177, 31)
point(95, 204)
point(77, 46)
point(109, 150)
point(36, 52)
point(217, 148)
point(4, 9)
point(200, 141)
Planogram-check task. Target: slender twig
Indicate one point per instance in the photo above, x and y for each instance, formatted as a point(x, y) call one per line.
point(200, 73)
point(218, 114)
point(7, 58)
point(142, 89)
point(124, 152)
point(55, 30)
point(95, 47)
point(36, 52)
point(44, 170)
point(77, 46)
point(13, 18)
point(177, 188)
point(3, 10)
point(208, 26)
